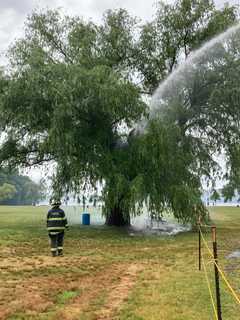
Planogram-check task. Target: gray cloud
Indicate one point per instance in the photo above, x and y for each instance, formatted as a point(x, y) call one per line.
point(222, 2)
point(139, 8)
point(20, 6)
point(103, 5)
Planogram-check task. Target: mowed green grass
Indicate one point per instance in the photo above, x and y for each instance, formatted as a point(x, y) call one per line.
point(108, 274)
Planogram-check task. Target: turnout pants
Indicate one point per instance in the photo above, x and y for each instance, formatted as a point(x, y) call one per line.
point(56, 241)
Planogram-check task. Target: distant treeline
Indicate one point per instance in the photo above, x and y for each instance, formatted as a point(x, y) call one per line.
point(17, 189)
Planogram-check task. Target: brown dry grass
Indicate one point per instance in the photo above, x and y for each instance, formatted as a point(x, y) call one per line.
point(119, 292)
point(36, 295)
point(106, 274)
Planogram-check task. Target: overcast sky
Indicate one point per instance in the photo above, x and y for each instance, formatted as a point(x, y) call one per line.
point(14, 12)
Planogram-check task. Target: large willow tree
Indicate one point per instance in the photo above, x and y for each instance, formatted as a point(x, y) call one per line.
point(74, 91)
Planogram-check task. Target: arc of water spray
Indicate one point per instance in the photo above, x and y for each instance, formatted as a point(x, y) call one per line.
point(155, 105)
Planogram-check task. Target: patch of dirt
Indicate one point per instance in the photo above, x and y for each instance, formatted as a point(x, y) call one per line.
point(119, 293)
point(91, 288)
point(33, 263)
point(7, 251)
point(28, 295)
point(4, 313)
point(116, 293)
point(37, 294)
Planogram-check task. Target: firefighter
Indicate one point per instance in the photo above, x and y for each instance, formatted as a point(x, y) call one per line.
point(56, 225)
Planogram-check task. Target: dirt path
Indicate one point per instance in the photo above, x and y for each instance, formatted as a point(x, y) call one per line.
point(116, 283)
point(34, 294)
point(119, 293)
point(37, 294)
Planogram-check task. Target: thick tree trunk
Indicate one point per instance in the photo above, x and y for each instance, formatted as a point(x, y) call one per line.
point(117, 218)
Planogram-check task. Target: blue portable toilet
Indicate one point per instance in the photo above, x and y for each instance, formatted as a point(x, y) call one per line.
point(86, 219)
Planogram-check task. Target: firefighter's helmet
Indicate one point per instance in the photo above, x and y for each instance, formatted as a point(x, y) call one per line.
point(55, 202)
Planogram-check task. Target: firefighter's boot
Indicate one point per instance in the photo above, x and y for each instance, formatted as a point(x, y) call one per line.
point(54, 253)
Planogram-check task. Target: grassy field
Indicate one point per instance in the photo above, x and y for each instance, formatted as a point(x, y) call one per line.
point(108, 274)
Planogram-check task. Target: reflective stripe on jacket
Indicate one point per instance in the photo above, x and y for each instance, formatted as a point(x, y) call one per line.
point(56, 220)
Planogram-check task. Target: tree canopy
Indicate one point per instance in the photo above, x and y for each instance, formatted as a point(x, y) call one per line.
point(17, 189)
point(76, 89)
point(7, 191)
point(177, 29)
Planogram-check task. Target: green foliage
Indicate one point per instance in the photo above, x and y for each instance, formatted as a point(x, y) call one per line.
point(233, 172)
point(71, 98)
point(7, 191)
point(215, 195)
point(117, 38)
point(18, 189)
point(177, 29)
point(204, 101)
point(66, 296)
